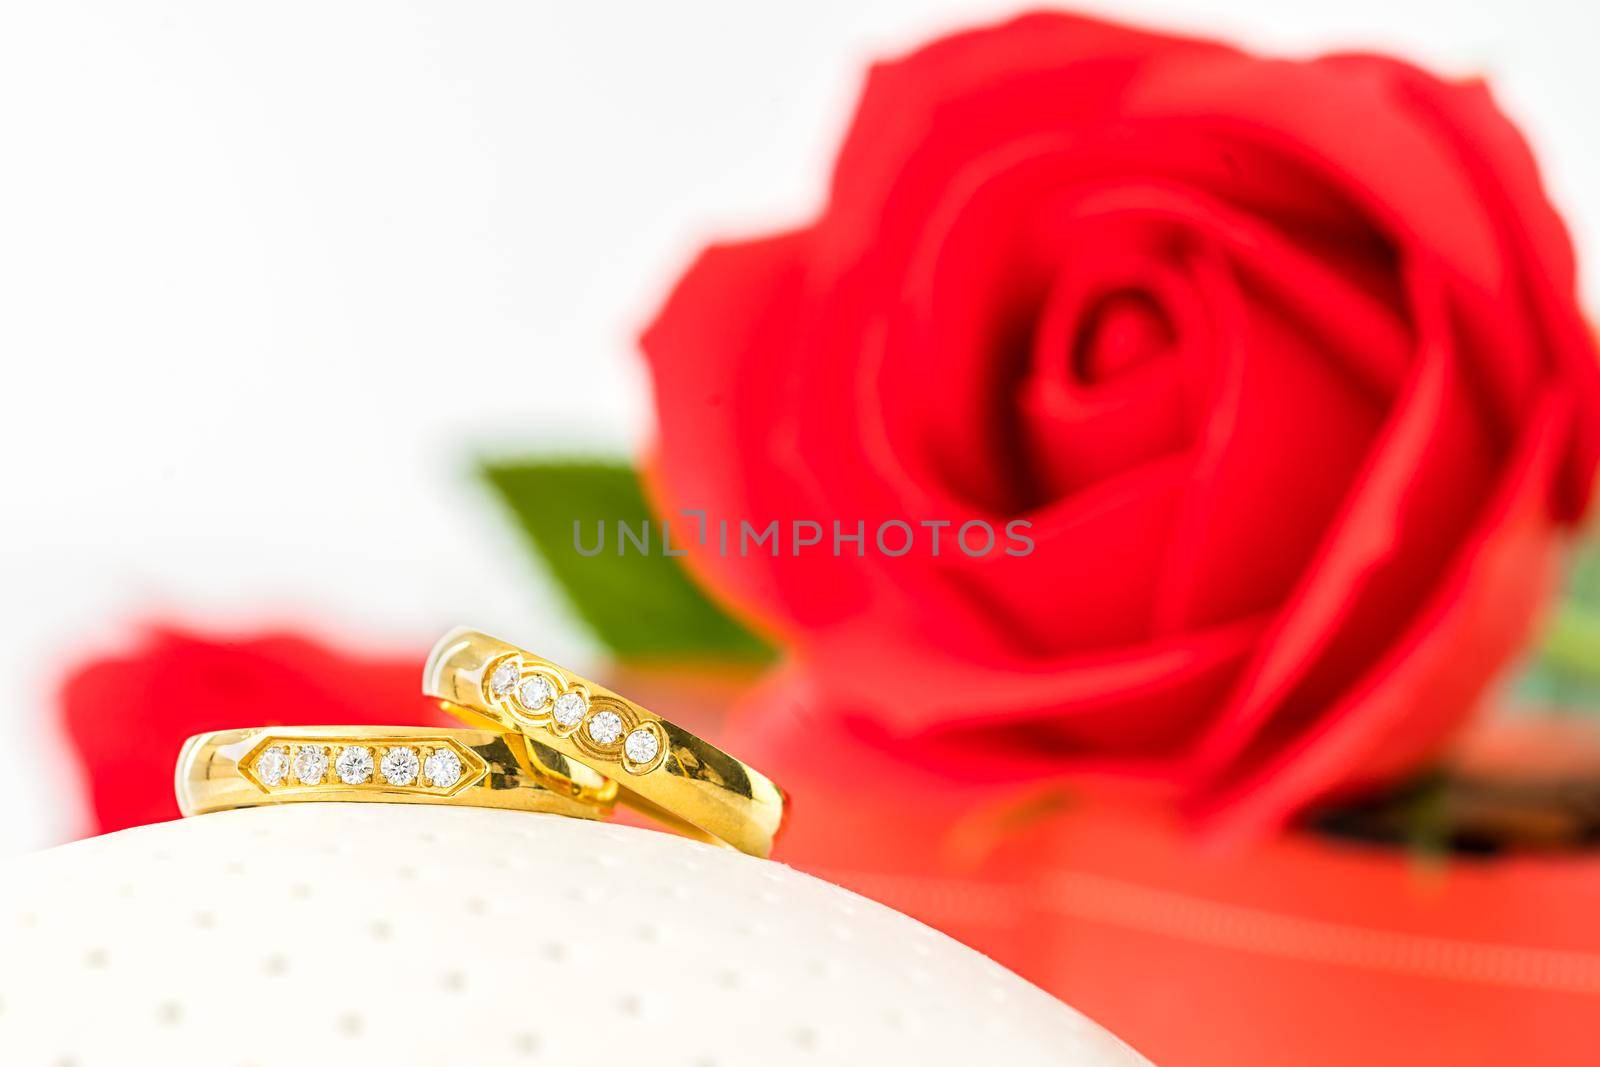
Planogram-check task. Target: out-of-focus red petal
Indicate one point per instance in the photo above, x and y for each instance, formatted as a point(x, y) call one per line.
point(722, 353)
point(1425, 480)
point(127, 716)
point(1506, 179)
point(927, 115)
point(1433, 187)
point(1396, 711)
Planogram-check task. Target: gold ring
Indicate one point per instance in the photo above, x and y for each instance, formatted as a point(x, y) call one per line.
point(663, 769)
point(387, 764)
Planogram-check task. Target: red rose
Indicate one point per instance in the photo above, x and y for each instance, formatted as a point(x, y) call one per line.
point(1281, 361)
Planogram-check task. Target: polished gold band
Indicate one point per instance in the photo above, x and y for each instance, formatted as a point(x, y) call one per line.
point(387, 764)
point(663, 769)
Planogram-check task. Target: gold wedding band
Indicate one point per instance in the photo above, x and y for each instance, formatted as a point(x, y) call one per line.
point(388, 764)
point(662, 769)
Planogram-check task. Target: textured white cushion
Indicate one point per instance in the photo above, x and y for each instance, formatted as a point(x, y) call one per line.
point(380, 934)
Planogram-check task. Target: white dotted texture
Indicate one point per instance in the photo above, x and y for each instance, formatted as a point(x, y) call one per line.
point(331, 933)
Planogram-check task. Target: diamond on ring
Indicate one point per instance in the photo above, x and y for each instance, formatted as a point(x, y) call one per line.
point(310, 764)
point(504, 679)
point(272, 766)
point(570, 709)
point(442, 768)
point(642, 745)
point(605, 727)
point(535, 692)
point(354, 764)
point(400, 766)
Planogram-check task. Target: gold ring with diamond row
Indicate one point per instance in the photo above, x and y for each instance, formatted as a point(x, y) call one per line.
point(663, 770)
point(388, 764)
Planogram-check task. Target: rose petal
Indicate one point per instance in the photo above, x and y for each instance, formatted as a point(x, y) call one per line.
point(1423, 484)
point(127, 716)
point(716, 350)
point(1398, 710)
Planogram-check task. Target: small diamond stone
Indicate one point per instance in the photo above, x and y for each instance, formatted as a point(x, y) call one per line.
point(442, 768)
point(354, 764)
point(535, 692)
point(504, 679)
point(400, 766)
point(272, 766)
point(570, 709)
point(605, 727)
point(642, 745)
point(310, 764)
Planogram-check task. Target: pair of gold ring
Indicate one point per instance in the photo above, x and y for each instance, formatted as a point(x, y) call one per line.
point(539, 738)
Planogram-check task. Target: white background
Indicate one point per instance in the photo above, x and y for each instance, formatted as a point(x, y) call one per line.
point(273, 275)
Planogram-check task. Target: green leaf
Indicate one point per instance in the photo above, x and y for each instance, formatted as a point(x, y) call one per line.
point(1572, 641)
point(641, 605)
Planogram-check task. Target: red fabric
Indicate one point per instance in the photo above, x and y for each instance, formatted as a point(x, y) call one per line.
point(1297, 949)
point(128, 716)
point(1282, 361)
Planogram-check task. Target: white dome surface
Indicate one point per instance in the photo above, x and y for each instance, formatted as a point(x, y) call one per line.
point(398, 935)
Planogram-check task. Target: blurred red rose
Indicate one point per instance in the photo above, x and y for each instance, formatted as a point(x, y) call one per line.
point(1281, 360)
point(127, 717)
